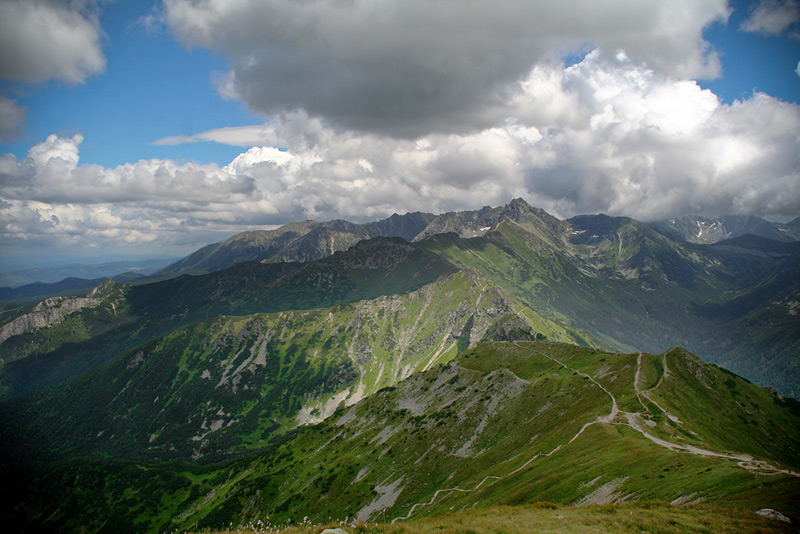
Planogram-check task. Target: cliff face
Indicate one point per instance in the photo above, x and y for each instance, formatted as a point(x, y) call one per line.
point(47, 313)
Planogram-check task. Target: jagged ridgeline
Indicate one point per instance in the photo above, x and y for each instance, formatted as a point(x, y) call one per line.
point(238, 383)
point(502, 423)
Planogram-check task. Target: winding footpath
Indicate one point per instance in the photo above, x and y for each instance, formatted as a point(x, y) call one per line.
point(630, 419)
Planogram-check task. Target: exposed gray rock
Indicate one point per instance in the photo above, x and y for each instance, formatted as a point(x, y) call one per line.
point(769, 513)
point(47, 313)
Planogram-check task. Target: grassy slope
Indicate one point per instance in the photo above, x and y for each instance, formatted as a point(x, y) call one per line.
point(440, 442)
point(238, 383)
point(541, 518)
point(368, 270)
point(637, 290)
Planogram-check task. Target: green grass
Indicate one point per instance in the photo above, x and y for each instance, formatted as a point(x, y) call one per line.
point(503, 424)
point(652, 296)
point(238, 383)
point(541, 518)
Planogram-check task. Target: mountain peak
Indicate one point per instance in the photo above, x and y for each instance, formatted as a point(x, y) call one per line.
point(468, 224)
point(519, 204)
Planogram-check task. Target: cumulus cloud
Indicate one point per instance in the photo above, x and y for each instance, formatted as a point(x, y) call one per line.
point(50, 39)
point(50, 198)
point(772, 17)
point(51, 173)
point(652, 147)
point(604, 135)
point(608, 134)
point(411, 67)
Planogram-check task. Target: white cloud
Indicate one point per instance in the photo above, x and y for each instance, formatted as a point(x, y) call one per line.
point(411, 67)
point(605, 135)
point(50, 39)
point(242, 136)
point(772, 17)
point(51, 174)
point(654, 147)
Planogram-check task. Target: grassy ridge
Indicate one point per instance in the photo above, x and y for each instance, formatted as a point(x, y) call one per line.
point(441, 441)
point(541, 518)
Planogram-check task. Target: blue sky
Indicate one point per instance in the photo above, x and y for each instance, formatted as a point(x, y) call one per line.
point(151, 88)
point(753, 60)
point(181, 123)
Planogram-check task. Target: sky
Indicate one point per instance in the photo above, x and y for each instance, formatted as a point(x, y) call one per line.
point(153, 128)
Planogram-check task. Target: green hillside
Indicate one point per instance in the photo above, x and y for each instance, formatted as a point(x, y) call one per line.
point(239, 383)
point(48, 356)
point(638, 290)
point(589, 427)
point(467, 372)
point(733, 303)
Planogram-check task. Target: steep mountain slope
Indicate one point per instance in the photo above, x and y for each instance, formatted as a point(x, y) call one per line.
point(383, 266)
point(759, 328)
point(310, 240)
point(238, 383)
point(704, 230)
point(297, 242)
point(631, 286)
point(588, 427)
point(59, 321)
point(637, 289)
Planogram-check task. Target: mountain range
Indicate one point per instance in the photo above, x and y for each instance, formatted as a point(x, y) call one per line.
point(311, 240)
point(409, 368)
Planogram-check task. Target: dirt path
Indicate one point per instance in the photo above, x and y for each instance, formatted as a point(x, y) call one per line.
point(629, 419)
point(646, 393)
point(633, 420)
point(495, 478)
